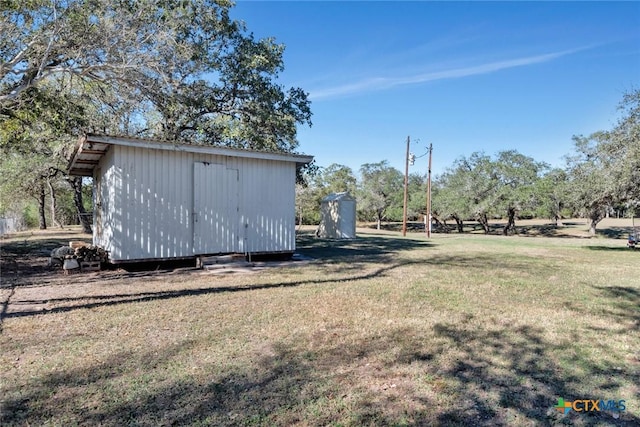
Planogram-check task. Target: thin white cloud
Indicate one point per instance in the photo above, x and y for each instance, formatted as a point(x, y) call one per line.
point(381, 83)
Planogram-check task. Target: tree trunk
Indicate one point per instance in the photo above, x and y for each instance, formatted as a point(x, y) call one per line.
point(557, 221)
point(54, 204)
point(459, 224)
point(41, 207)
point(511, 223)
point(595, 216)
point(557, 217)
point(484, 222)
point(76, 183)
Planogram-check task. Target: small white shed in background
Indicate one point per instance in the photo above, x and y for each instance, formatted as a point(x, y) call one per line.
point(338, 217)
point(156, 200)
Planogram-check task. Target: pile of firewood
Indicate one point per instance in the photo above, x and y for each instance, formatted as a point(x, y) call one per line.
point(74, 256)
point(91, 253)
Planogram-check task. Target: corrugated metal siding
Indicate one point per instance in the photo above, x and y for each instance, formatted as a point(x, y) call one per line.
point(266, 208)
point(148, 201)
point(153, 204)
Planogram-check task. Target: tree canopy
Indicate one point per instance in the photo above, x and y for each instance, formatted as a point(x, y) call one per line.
point(186, 70)
point(381, 189)
point(604, 169)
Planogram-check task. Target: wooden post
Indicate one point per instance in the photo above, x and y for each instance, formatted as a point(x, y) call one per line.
point(406, 189)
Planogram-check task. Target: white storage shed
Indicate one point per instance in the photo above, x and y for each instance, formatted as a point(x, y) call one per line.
point(157, 200)
point(338, 216)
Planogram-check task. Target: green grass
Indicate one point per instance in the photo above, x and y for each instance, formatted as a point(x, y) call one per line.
point(383, 330)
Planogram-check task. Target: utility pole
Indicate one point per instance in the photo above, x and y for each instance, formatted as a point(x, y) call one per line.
point(406, 189)
point(427, 224)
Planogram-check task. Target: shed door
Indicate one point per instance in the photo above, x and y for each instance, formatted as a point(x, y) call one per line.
point(348, 219)
point(216, 209)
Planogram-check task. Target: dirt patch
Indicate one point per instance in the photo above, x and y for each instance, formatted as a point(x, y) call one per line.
point(246, 267)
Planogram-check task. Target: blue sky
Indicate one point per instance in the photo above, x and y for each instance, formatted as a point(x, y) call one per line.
point(464, 76)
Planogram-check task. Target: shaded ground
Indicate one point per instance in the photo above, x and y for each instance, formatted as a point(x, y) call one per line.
point(25, 255)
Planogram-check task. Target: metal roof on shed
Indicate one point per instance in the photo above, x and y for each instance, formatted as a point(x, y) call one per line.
point(91, 148)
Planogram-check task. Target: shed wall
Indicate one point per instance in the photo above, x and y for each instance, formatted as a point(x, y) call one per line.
point(338, 219)
point(148, 203)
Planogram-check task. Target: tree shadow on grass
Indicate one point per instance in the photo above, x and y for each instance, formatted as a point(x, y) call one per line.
point(625, 305)
point(565, 229)
point(369, 248)
point(508, 376)
point(33, 246)
point(451, 374)
point(616, 232)
point(548, 230)
point(622, 248)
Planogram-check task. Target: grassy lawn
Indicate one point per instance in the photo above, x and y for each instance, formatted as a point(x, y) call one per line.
point(384, 330)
